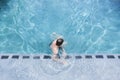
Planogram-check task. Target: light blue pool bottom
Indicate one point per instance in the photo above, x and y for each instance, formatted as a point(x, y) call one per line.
point(41, 67)
point(88, 26)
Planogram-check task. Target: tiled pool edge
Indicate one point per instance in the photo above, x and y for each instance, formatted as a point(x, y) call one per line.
point(46, 56)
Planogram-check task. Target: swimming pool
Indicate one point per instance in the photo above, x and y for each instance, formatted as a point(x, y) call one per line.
point(88, 26)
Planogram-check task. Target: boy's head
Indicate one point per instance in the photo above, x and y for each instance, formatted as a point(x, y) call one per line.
point(59, 42)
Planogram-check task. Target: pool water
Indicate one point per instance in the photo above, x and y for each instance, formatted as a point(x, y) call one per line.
point(88, 26)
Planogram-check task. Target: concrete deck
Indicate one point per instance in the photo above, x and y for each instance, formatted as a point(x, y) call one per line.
point(41, 67)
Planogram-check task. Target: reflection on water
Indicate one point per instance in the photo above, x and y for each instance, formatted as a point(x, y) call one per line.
point(88, 26)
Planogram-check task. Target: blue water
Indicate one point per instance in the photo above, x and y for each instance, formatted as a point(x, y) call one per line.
point(88, 26)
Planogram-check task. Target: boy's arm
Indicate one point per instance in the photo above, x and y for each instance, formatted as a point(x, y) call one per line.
point(64, 54)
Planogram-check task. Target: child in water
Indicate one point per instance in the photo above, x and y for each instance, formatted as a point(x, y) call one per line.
point(57, 47)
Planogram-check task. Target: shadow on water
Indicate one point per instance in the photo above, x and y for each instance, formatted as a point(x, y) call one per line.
point(3, 4)
point(115, 3)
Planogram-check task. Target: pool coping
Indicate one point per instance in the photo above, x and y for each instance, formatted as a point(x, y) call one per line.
point(69, 56)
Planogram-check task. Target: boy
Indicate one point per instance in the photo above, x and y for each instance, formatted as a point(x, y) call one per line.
point(56, 46)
